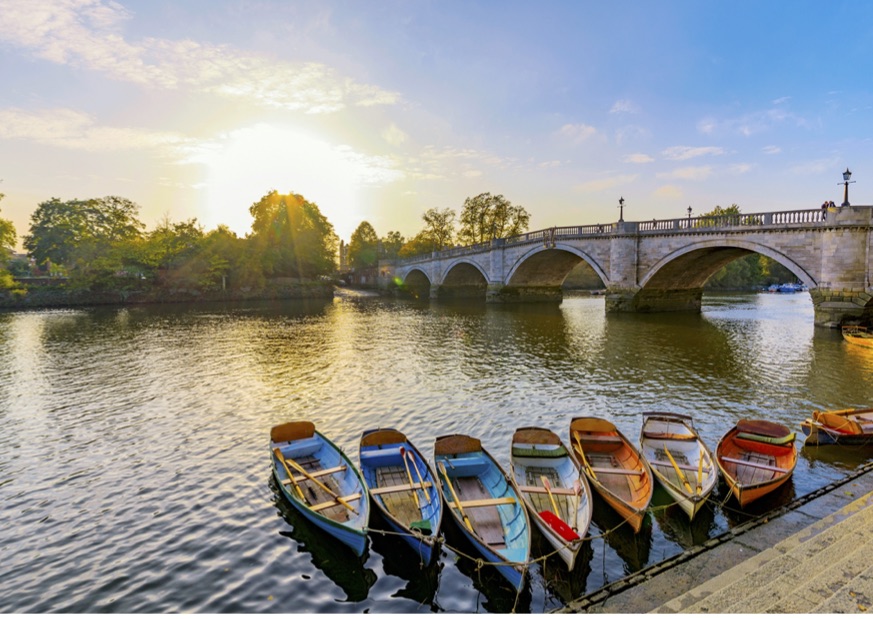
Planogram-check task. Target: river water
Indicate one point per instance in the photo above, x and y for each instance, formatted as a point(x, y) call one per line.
point(134, 465)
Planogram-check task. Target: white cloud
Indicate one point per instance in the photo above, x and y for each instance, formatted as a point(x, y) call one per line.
point(87, 34)
point(577, 133)
point(668, 191)
point(394, 135)
point(624, 106)
point(771, 150)
point(681, 153)
point(752, 123)
point(698, 173)
point(739, 168)
point(638, 158)
point(74, 130)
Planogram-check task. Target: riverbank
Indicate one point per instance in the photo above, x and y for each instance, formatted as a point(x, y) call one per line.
point(814, 555)
point(60, 296)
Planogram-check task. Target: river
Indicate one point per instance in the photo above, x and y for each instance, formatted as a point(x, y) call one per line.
point(134, 466)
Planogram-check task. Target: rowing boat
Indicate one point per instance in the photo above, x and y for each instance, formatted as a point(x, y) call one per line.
point(402, 488)
point(678, 458)
point(851, 426)
point(484, 503)
point(614, 467)
point(321, 482)
point(858, 335)
point(755, 458)
point(553, 488)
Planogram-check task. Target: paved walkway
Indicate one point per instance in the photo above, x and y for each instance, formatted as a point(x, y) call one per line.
point(814, 555)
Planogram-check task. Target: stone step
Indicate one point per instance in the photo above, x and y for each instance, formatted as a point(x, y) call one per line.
point(756, 577)
point(856, 596)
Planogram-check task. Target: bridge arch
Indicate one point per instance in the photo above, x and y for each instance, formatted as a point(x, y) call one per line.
point(417, 283)
point(549, 266)
point(463, 279)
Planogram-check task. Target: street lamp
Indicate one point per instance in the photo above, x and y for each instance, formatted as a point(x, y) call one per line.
point(689, 213)
point(621, 210)
point(846, 176)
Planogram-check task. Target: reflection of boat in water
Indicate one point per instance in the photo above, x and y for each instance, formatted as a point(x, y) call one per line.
point(674, 523)
point(349, 574)
point(565, 585)
point(851, 426)
point(632, 548)
point(859, 336)
point(786, 288)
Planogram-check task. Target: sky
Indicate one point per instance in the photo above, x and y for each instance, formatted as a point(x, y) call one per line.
point(379, 110)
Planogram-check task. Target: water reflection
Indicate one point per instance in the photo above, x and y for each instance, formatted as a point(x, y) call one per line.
point(327, 554)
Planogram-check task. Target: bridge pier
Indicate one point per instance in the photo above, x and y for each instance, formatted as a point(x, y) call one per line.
point(834, 307)
point(657, 300)
point(498, 293)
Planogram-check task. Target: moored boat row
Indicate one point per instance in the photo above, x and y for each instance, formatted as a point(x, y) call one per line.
point(548, 483)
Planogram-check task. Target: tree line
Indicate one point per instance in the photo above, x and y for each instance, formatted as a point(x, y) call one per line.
point(101, 244)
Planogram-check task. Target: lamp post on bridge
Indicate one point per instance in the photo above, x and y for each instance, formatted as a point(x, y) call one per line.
point(621, 210)
point(689, 214)
point(846, 176)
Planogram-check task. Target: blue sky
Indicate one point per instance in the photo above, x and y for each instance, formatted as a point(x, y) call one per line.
point(379, 111)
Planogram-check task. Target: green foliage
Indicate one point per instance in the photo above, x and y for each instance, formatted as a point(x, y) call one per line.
point(391, 244)
point(292, 237)
point(364, 247)
point(420, 244)
point(486, 217)
point(60, 230)
point(439, 228)
point(8, 237)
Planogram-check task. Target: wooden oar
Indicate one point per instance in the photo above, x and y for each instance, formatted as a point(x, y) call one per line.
point(584, 459)
point(548, 488)
point(442, 468)
point(577, 487)
point(679, 472)
point(409, 476)
point(304, 472)
point(700, 472)
point(278, 453)
point(417, 472)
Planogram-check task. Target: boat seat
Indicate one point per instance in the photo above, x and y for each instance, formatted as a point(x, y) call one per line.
point(399, 488)
point(541, 490)
point(599, 469)
point(684, 467)
point(316, 474)
point(322, 506)
point(755, 465)
point(304, 447)
point(375, 458)
point(473, 503)
point(597, 438)
point(669, 436)
point(533, 452)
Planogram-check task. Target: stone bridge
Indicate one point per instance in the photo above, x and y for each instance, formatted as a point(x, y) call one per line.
point(661, 265)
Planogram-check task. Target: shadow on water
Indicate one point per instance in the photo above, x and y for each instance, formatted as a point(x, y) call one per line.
point(675, 525)
point(632, 548)
point(564, 584)
point(329, 555)
point(737, 515)
point(399, 560)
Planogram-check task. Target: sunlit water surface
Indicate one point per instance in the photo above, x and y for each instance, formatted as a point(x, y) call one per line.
point(134, 469)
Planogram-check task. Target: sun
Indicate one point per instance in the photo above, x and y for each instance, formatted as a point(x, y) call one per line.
point(243, 165)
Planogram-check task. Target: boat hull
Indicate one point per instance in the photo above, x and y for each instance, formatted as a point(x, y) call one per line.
point(484, 503)
point(389, 460)
point(537, 452)
point(754, 468)
point(322, 454)
point(843, 427)
point(858, 336)
point(676, 455)
point(614, 468)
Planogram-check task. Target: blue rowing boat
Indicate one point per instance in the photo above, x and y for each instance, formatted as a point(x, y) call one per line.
point(402, 487)
point(321, 482)
point(485, 504)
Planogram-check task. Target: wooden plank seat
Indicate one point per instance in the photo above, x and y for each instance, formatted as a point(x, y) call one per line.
point(669, 436)
point(327, 504)
point(473, 503)
point(598, 469)
point(598, 438)
point(316, 474)
point(684, 467)
point(400, 488)
point(755, 465)
point(541, 490)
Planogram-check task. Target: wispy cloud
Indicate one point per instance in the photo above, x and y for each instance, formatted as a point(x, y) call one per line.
point(73, 130)
point(682, 153)
point(693, 173)
point(577, 133)
point(609, 182)
point(638, 158)
point(668, 191)
point(88, 34)
point(771, 150)
point(624, 106)
point(752, 123)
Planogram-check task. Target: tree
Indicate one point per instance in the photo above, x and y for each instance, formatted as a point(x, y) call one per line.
point(391, 244)
point(292, 237)
point(439, 228)
point(7, 238)
point(58, 229)
point(364, 247)
point(486, 217)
